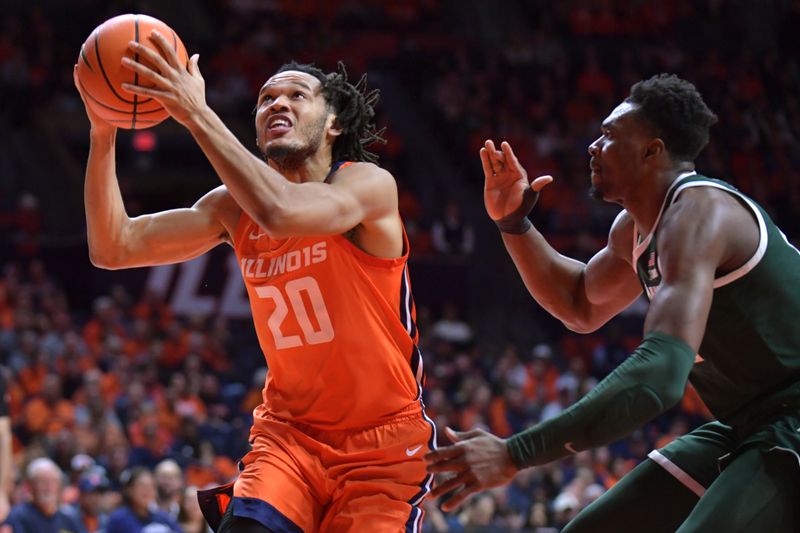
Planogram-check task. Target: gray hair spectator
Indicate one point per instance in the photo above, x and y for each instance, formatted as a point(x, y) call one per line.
point(44, 512)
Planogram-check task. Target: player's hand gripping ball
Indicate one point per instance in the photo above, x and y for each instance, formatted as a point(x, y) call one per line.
point(101, 74)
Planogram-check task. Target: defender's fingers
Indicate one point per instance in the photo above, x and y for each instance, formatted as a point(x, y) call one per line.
point(457, 464)
point(459, 496)
point(486, 163)
point(457, 436)
point(448, 485)
point(443, 454)
point(498, 160)
point(541, 182)
point(511, 157)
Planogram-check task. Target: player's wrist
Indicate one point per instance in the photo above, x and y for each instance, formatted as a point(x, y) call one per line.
point(102, 131)
point(511, 466)
point(520, 451)
point(514, 225)
point(199, 119)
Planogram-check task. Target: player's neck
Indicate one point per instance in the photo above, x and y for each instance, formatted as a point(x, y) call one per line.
point(645, 203)
point(315, 168)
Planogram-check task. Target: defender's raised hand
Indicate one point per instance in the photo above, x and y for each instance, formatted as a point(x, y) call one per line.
point(479, 460)
point(507, 193)
point(179, 88)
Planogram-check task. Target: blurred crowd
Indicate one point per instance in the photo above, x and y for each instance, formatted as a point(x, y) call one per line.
point(126, 409)
point(136, 406)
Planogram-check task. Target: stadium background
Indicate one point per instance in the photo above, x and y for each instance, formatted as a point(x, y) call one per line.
point(130, 367)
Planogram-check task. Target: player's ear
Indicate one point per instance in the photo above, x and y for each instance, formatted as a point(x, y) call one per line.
point(333, 127)
point(655, 148)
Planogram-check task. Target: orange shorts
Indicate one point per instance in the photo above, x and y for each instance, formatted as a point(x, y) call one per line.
point(298, 479)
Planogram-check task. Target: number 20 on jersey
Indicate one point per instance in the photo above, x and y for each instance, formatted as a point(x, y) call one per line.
point(293, 291)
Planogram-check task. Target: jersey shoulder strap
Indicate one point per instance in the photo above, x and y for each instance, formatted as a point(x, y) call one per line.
point(335, 167)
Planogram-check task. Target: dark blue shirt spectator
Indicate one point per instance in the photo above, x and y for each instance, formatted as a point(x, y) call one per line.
point(124, 520)
point(44, 512)
point(27, 518)
point(140, 514)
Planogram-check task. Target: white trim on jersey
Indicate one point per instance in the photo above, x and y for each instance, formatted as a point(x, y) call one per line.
point(407, 303)
point(751, 263)
point(638, 249)
point(678, 473)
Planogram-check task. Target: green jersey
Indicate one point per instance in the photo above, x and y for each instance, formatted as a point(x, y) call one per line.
point(748, 367)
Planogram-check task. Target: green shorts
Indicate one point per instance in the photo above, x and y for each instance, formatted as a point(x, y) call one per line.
point(697, 458)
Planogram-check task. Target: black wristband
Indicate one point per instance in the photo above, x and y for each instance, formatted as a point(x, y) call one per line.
point(514, 227)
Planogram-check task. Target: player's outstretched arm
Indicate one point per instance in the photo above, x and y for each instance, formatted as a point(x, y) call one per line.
point(650, 380)
point(118, 241)
point(582, 296)
point(362, 194)
point(653, 378)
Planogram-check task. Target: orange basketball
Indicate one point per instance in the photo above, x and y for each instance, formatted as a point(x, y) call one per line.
point(101, 74)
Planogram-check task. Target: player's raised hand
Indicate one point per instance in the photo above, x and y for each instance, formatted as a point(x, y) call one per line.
point(507, 193)
point(98, 124)
point(479, 460)
point(179, 88)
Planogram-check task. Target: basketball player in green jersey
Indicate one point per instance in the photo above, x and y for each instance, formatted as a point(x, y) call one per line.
point(724, 290)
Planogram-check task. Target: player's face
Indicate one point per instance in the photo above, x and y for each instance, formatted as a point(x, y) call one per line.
point(617, 156)
point(292, 118)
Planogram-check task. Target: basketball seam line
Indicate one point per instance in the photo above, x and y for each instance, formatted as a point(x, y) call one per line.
point(102, 69)
point(135, 74)
point(122, 111)
point(86, 59)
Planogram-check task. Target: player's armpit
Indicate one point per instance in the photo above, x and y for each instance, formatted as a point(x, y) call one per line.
point(170, 236)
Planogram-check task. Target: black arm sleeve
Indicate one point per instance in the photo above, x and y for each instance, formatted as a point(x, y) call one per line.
point(651, 380)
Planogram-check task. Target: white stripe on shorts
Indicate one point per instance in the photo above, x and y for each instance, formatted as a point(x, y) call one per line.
point(678, 473)
point(787, 450)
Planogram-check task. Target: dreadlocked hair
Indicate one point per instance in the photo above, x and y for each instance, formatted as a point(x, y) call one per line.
point(354, 107)
point(677, 113)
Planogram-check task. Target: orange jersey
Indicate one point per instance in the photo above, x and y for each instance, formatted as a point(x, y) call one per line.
point(336, 326)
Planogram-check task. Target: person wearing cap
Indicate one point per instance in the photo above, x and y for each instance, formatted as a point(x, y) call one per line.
point(92, 506)
point(43, 513)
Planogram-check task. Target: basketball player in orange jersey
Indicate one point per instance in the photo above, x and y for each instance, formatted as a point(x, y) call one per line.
point(337, 445)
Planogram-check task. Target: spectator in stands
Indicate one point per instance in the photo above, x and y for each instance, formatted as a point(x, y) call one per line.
point(49, 412)
point(43, 512)
point(169, 486)
point(451, 234)
point(451, 327)
point(470, 91)
point(92, 506)
point(190, 516)
point(140, 512)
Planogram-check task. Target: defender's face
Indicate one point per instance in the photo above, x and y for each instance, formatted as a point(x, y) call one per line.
point(618, 155)
point(291, 114)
